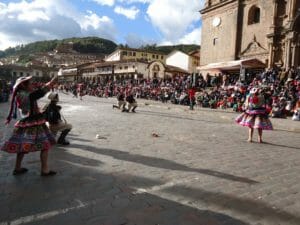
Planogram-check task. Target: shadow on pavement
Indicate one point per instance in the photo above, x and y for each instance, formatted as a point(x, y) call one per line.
point(78, 139)
point(168, 115)
point(80, 195)
point(161, 163)
point(239, 205)
point(283, 146)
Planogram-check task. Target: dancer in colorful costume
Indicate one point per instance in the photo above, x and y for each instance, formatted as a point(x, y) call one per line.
point(31, 133)
point(255, 116)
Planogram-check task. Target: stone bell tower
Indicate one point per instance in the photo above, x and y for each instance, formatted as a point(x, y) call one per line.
point(219, 31)
point(267, 30)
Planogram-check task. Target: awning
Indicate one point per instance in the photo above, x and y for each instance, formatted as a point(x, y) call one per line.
point(234, 65)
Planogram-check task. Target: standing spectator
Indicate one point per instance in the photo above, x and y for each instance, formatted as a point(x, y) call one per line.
point(192, 93)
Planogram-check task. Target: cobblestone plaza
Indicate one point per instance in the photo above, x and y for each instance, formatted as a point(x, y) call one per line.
point(197, 170)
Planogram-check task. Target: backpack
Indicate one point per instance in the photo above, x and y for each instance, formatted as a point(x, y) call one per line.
point(52, 114)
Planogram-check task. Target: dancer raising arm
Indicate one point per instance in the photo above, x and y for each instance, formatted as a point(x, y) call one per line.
point(31, 133)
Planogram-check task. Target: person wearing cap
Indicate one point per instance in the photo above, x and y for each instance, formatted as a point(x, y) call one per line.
point(56, 121)
point(31, 133)
point(255, 116)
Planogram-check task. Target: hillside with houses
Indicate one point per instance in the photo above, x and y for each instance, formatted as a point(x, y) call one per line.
point(96, 58)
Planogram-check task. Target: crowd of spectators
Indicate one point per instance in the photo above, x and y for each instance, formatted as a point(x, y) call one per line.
point(280, 88)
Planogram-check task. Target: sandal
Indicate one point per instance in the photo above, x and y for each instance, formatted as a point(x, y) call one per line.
point(50, 173)
point(20, 171)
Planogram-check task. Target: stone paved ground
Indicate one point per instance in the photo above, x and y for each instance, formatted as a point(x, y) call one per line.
point(199, 171)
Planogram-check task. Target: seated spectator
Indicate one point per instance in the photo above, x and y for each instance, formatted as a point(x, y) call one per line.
point(296, 116)
point(278, 108)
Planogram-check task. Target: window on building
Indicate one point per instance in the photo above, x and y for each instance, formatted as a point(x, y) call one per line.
point(215, 41)
point(134, 54)
point(153, 56)
point(133, 66)
point(37, 74)
point(21, 74)
point(162, 57)
point(126, 67)
point(254, 15)
point(120, 67)
point(124, 53)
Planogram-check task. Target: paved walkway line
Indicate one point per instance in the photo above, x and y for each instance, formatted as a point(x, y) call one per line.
point(164, 186)
point(45, 215)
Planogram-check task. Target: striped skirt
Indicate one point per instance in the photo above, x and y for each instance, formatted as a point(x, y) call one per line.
point(35, 136)
point(256, 121)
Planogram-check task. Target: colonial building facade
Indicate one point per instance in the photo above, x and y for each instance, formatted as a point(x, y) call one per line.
point(268, 30)
point(12, 72)
point(135, 54)
point(129, 69)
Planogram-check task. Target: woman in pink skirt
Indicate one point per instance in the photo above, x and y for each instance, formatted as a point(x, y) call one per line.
point(255, 116)
point(31, 133)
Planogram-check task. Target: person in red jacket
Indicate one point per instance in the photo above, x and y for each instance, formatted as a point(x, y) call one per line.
point(192, 93)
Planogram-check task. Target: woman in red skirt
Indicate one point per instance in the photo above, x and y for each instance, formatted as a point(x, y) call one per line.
point(31, 133)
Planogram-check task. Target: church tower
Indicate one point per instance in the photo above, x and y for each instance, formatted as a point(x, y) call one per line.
point(267, 30)
point(219, 31)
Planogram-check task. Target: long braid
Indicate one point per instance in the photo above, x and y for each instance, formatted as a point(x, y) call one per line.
point(12, 106)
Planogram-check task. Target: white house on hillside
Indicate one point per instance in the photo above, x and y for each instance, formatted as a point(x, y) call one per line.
point(188, 62)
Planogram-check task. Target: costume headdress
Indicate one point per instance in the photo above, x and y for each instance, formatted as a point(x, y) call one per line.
point(13, 105)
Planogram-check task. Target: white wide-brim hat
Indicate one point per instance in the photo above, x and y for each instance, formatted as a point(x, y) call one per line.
point(20, 81)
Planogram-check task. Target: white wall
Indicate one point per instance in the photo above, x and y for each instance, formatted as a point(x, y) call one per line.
point(178, 59)
point(115, 56)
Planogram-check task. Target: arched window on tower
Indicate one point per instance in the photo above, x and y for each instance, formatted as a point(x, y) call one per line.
point(254, 15)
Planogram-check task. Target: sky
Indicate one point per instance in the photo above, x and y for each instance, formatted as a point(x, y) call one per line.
point(132, 22)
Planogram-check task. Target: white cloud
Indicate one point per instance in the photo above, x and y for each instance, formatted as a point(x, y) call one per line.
point(130, 13)
point(193, 37)
point(28, 21)
point(105, 2)
point(136, 41)
point(112, 2)
point(135, 1)
point(173, 17)
point(32, 16)
point(94, 21)
point(175, 21)
point(92, 25)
